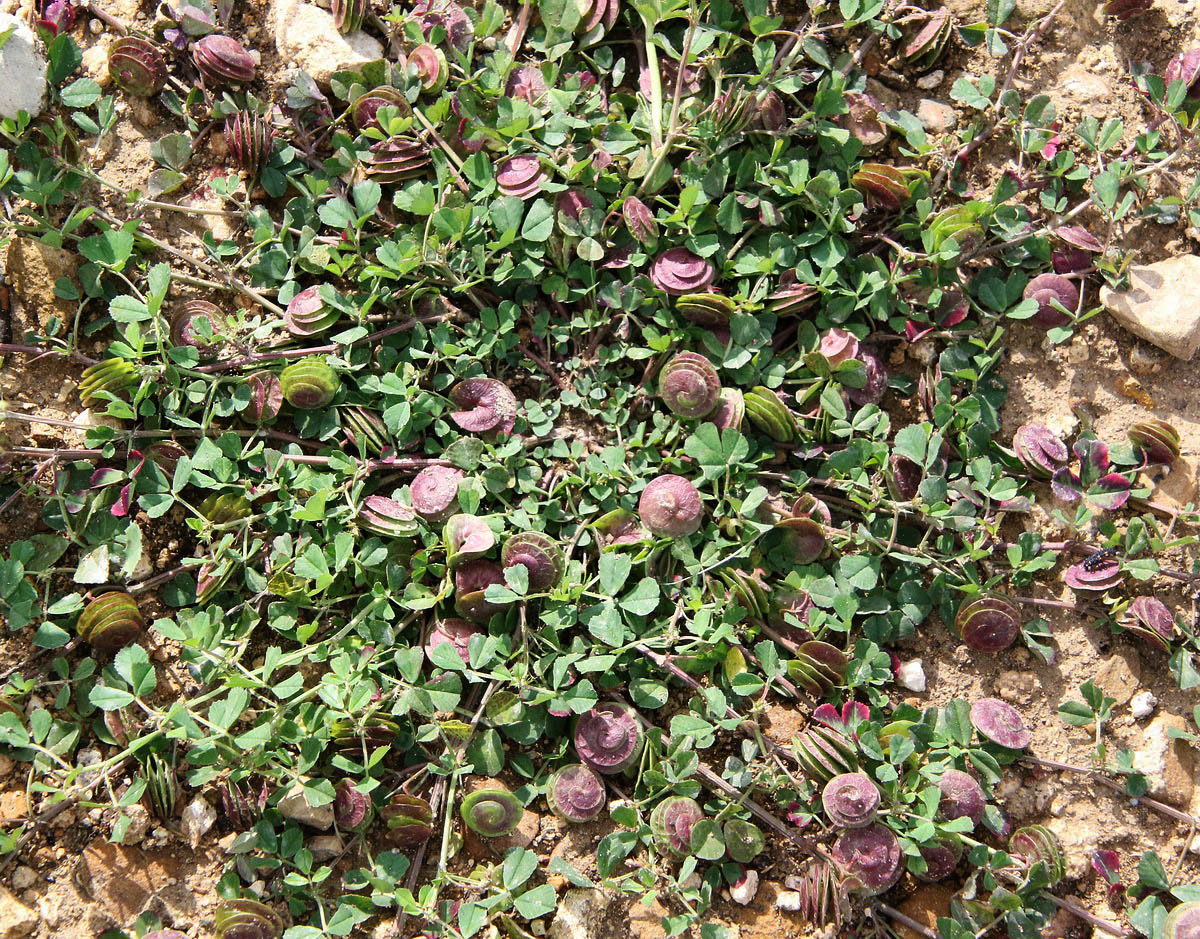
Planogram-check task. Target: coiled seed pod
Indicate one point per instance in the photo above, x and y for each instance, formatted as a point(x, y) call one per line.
point(365, 429)
point(926, 43)
point(818, 667)
point(249, 137)
point(222, 60)
point(672, 821)
point(386, 516)
point(1037, 843)
point(883, 186)
point(824, 753)
point(110, 622)
point(308, 314)
point(575, 793)
point(987, 624)
point(396, 159)
point(409, 820)
point(608, 738)
point(162, 788)
point(689, 385)
point(429, 64)
point(768, 413)
point(678, 271)
point(266, 397)
point(247, 919)
point(538, 554)
point(309, 384)
point(349, 15)
point(115, 376)
point(366, 106)
point(870, 858)
point(711, 310)
point(850, 800)
point(137, 67)
point(188, 323)
point(1158, 441)
point(670, 507)
point(492, 812)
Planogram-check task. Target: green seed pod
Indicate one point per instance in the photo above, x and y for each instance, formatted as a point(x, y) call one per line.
point(309, 384)
point(883, 186)
point(710, 310)
point(224, 508)
point(116, 376)
point(824, 753)
point(349, 15)
point(247, 919)
point(162, 788)
point(768, 413)
point(365, 429)
point(110, 622)
point(492, 812)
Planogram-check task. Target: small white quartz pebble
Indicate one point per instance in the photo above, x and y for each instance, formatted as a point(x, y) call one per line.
point(911, 675)
point(789, 900)
point(745, 889)
point(1142, 704)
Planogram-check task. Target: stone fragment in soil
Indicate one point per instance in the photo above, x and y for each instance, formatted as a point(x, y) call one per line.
point(1016, 687)
point(16, 919)
point(296, 807)
point(325, 847)
point(936, 117)
point(745, 890)
point(22, 69)
point(1081, 87)
point(24, 877)
point(139, 823)
point(911, 675)
point(196, 820)
point(305, 35)
point(1166, 763)
point(1161, 304)
point(1142, 704)
point(932, 80)
point(581, 914)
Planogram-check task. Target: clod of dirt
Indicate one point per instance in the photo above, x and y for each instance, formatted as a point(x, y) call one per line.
point(16, 919)
point(925, 906)
point(1162, 304)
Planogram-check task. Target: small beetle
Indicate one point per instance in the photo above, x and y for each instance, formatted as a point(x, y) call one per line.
point(1099, 559)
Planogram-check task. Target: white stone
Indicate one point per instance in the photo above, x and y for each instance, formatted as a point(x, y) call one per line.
point(198, 817)
point(305, 34)
point(1162, 304)
point(24, 877)
point(911, 675)
point(296, 807)
point(746, 889)
point(1142, 704)
point(580, 914)
point(788, 900)
point(931, 81)
point(22, 69)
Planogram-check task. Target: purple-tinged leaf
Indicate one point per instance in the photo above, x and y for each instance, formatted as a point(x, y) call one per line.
point(1066, 486)
point(1109, 492)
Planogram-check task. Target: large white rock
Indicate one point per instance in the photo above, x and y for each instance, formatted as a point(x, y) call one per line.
point(22, 69)
point(1161, 304)
point(305, 35)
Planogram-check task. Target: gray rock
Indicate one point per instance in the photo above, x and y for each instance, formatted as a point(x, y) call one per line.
point(936, 117)
point(1162, 304)
point(581, 914)
point(296, 807)
point(22, 69)
point(305, 35)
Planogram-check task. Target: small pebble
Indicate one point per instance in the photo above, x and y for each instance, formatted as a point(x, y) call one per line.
point(23, 877)
point(931, 81)
point(746, 889)
point(789, 901)
point(1142, 704)
point(538, 927)
point(911, 675)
